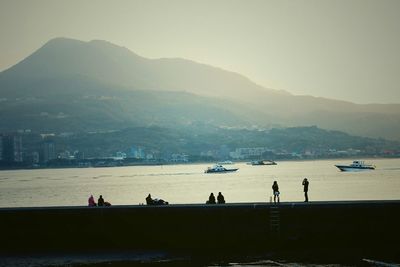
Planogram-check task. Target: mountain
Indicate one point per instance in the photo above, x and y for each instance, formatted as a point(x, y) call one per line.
point(89, 86)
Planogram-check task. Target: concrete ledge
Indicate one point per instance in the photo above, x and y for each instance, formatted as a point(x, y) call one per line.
point(366, 226)
point(241, 204)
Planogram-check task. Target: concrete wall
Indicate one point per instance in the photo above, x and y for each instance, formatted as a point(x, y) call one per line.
point(363, 227)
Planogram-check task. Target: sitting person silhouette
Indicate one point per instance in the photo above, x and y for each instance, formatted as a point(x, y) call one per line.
point(211, 199)
point(91, 202)
point(220, 198)
point(149, 200)
point(155, 201)
point(100, 201)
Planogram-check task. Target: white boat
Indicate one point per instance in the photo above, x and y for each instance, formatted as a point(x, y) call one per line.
point(219, 169)
point(261, 162)
point(357, 165)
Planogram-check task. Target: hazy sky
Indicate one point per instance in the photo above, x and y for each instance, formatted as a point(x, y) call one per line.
point(338, 49)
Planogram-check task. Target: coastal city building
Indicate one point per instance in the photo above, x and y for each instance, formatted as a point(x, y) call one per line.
point(247, 152)
point(137, 152)
point(179, 157)
point(11, 148)
point(49, 151)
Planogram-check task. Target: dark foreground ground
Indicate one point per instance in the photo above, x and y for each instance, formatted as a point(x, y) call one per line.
point(160, 259)
point(355, 233)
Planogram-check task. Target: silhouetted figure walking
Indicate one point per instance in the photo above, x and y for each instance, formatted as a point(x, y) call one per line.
point(275, 189)
point(305, 185)
point(100, 202)
point(220, 198)
point(211, 199)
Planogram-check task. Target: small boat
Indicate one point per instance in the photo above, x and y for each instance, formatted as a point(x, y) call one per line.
point(262, 162)
point(219, 169)
point(357, 165)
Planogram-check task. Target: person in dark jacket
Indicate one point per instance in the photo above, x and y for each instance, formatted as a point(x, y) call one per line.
point(305, 185)
point(211, 199)
point(275, 189)
point(100, 202)
point(149, 200)
point(220, 198)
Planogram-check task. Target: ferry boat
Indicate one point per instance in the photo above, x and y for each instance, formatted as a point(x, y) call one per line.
point(226, 162)
point(219, 169)
point(262, 162)
point(357, 165)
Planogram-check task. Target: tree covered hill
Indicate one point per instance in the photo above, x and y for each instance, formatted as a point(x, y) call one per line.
point(166, 141)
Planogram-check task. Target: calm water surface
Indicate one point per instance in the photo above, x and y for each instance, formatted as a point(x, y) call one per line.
point(189, 184)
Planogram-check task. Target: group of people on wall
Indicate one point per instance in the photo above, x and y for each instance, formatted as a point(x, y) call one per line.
point(211, 199)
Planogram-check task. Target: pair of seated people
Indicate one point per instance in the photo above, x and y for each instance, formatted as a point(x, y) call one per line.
point(220, 199)
point(99, 203)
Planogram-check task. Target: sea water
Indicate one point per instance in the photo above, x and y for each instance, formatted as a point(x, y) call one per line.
point(187, 183)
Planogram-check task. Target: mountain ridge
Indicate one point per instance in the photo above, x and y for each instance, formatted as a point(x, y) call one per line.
point(100, 67)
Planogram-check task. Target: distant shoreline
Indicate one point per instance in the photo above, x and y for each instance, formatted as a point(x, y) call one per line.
point(3, 168)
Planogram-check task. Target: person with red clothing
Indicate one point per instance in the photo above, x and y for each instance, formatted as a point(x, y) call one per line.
point(91, 201)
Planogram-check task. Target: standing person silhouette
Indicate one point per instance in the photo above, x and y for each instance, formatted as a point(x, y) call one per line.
point(305, 185)
point(276, 193)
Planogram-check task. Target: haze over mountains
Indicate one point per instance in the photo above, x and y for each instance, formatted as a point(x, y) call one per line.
point(70, 85)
